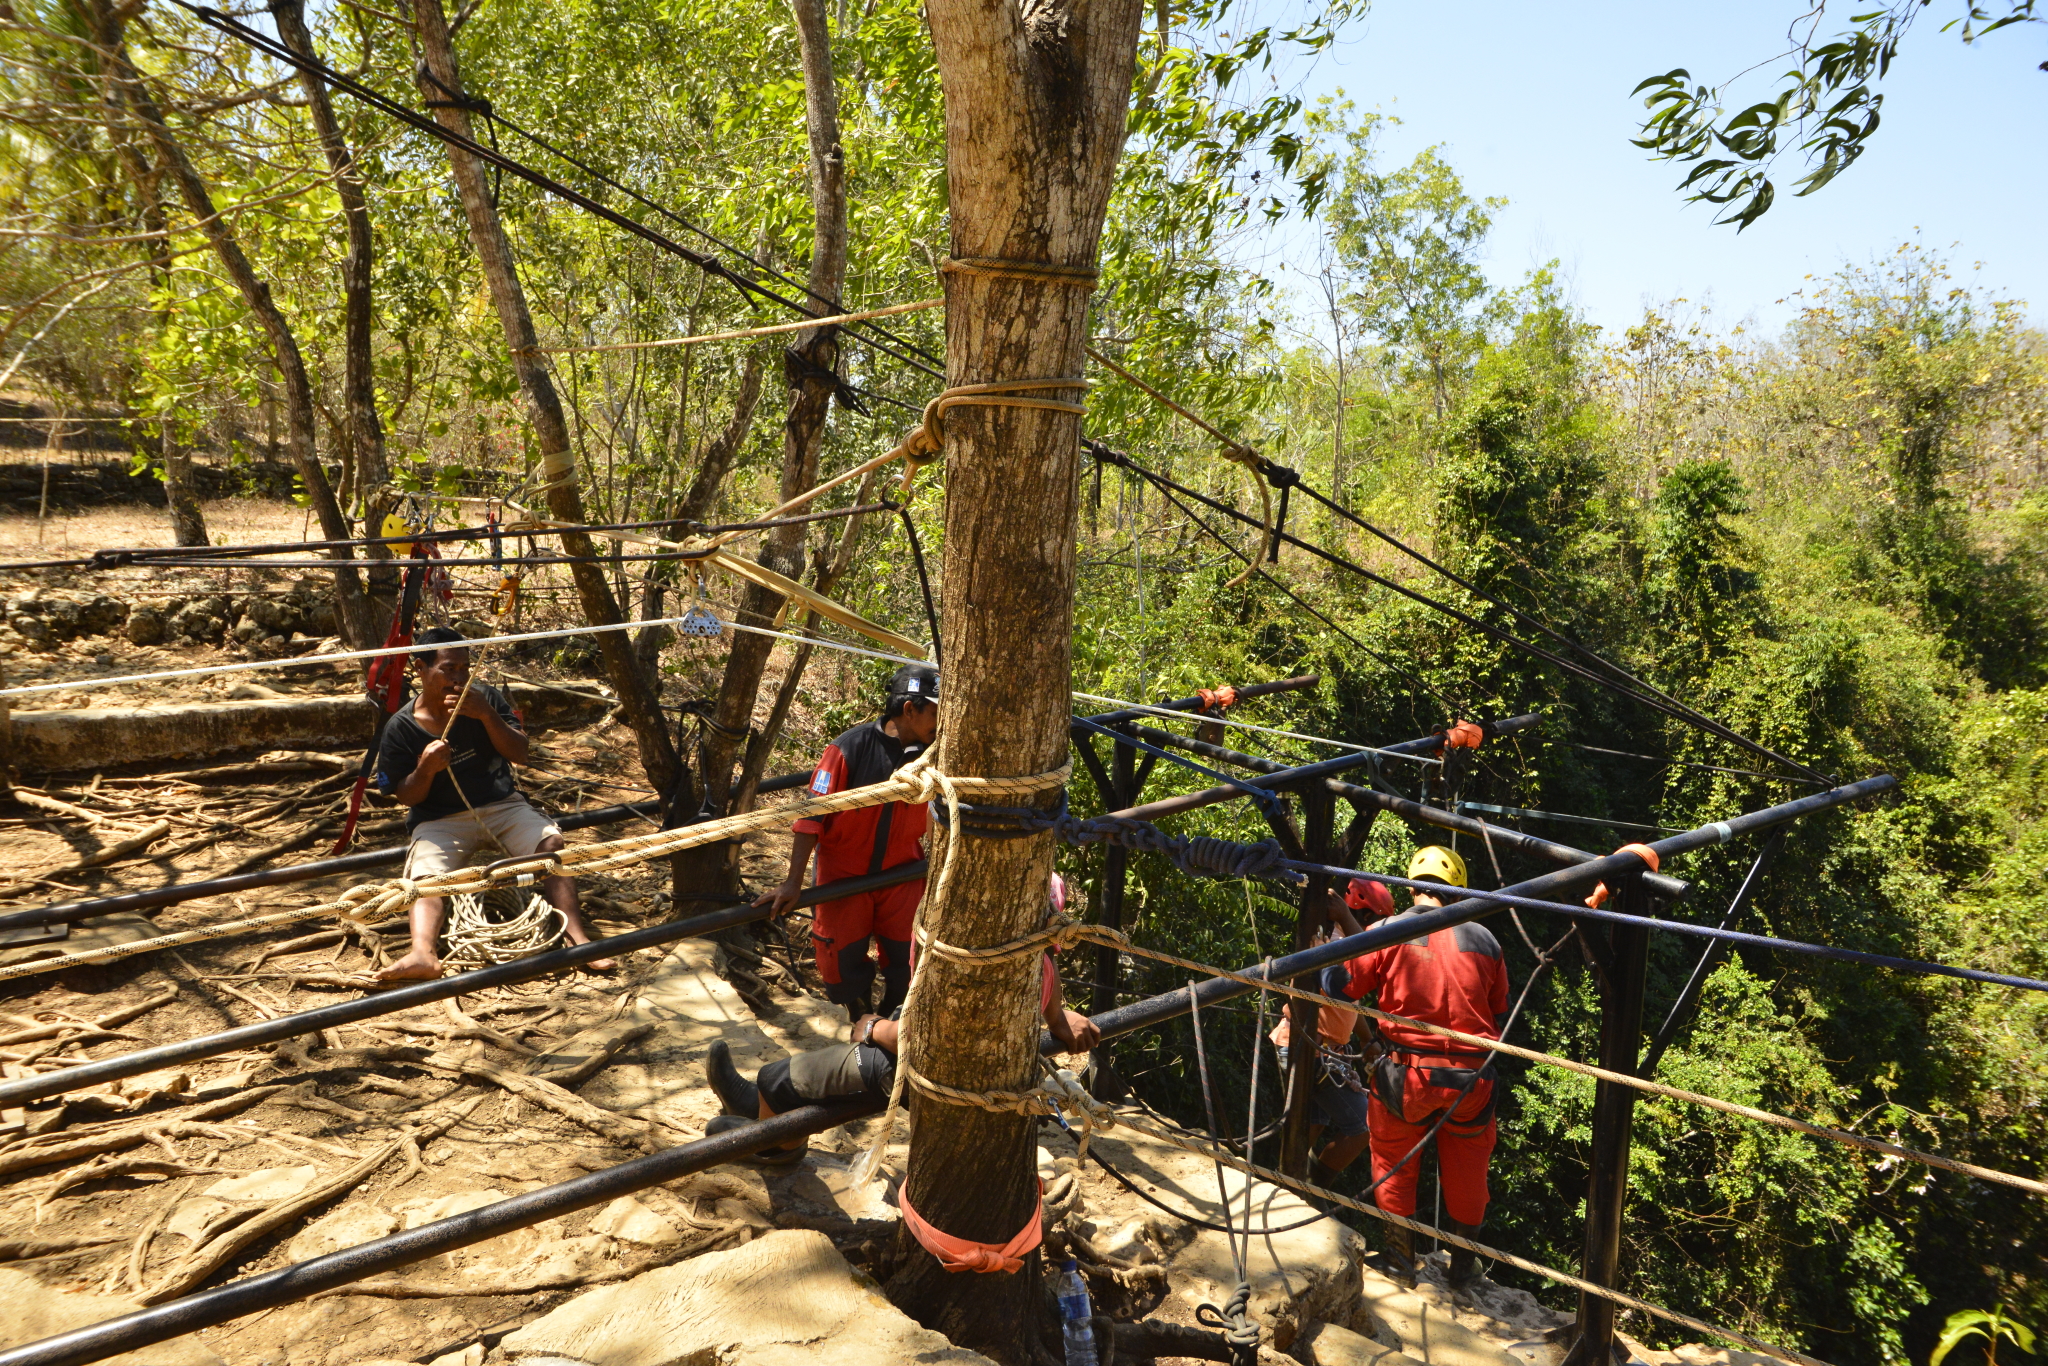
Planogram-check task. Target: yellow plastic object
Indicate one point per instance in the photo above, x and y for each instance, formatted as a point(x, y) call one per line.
point(1433, 860)
point(395, 525)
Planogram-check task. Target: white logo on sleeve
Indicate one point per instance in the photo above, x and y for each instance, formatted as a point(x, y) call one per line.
point(822, 784)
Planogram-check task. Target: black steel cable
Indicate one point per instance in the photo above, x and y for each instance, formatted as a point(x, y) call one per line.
point(1675, 711)
point(1584, 651)
point(312, 66)
point(924, 583)
point(1303, 603)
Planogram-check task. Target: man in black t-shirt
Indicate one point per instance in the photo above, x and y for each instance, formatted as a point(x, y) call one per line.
point(461, 793)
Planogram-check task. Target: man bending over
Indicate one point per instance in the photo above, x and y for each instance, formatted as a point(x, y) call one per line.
point(464, 802)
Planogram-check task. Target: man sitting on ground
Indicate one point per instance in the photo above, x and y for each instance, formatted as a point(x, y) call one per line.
point(864, 1067)
point(462, 796)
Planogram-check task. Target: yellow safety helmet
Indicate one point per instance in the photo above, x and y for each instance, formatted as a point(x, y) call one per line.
point(1435, 861)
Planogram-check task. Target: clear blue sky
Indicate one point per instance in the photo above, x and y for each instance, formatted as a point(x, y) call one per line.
point(1531, 102)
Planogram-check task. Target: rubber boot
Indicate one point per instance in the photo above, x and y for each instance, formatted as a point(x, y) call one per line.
point(1320, 1174)
point(767, 1157)
point(1464, 1263)
point(738, 1095)
point(1398, 1255)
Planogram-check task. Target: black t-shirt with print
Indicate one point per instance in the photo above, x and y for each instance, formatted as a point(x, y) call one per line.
point(476, 764)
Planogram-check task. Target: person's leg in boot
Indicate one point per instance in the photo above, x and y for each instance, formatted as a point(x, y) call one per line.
point(1392, 1139)
point(839, 938)
point(738, 1095)
point(772, 1080)
point(1463, 1153)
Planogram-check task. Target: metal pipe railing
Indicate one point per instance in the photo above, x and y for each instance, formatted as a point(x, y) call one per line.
point(22, 1090)
point(1670, 888)
point(1418, 924)
point(208, 1308)
point(71, 911)
point(1287, 777)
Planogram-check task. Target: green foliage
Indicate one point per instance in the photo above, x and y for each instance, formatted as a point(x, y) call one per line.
point(1989, 1324)
point(1828, 107)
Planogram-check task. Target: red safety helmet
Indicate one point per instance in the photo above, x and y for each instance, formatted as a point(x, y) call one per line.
point(1365, 895)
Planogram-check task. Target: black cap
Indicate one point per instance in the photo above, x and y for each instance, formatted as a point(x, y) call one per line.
point(915, 680)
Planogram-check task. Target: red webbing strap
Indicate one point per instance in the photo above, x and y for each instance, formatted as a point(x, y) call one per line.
point(958, 1254)
point(384, 680)
point(1641, 851)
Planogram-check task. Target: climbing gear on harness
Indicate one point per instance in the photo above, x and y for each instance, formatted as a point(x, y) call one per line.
point(1435, 861)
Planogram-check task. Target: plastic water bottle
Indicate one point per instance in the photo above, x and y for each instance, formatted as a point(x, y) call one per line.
point(1077, 1318)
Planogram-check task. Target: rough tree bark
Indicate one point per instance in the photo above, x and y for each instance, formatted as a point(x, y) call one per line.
point(440, 83)
point(188, 518)
point(301, 441)
point(809, 369)
point(1036, 96)
point(359, 379)
point(714, 459)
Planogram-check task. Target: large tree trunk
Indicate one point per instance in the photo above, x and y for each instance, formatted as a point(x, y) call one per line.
point(441, 84)
point(715, 868)
point(1035, 104)
point(359, 382)
point(300, 436)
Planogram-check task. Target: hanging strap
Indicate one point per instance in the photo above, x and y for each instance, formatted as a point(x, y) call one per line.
point(958, 1254)
point(384, 681)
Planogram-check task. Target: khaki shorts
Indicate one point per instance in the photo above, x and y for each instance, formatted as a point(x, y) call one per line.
point(454, 842)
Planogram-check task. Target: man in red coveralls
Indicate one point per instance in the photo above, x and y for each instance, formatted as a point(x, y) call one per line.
point(866, 840)
point(1456, 978)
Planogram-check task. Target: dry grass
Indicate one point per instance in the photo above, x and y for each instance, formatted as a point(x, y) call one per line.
point(83, 530)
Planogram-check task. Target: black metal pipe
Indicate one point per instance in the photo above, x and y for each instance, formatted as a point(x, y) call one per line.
point(24, 1089)
point(1288, 777)
point(1110, 718)
point(1670, 888)
point(1417, 924)
point(1621, 1030)
point(1715, 951)
point(71, 911)
point(287, 1284)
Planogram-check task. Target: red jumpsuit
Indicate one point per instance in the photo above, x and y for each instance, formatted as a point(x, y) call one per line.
point(1458, 979)
point(852, 843)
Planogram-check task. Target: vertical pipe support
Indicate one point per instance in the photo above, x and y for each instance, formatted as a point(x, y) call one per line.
point(1621, 1030)
point(1319, 819)
point(1115, 863)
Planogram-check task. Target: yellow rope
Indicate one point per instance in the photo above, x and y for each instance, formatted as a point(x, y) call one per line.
point(374, 902)
point(831, 321)
point(1063, 934)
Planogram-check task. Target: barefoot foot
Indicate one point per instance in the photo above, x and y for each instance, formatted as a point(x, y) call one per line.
point(414, 967)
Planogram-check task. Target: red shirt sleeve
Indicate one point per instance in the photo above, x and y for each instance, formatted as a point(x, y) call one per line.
point(1367, 971)
point(827, 778)
point(1048, 985)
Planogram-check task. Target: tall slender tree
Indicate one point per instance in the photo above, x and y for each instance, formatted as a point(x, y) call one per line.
point(1036, 97)
point(301, 440)
point(810, 368)
point(440, 82)
point(359, 379)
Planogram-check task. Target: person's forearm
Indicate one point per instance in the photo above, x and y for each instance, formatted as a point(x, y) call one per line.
point(414, 789)
point(883, 1036)
point(506, 738)
point(801, 848)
